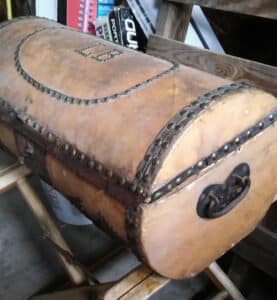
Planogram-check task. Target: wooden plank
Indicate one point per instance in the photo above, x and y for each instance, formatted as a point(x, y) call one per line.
point(9, 176)
point(147, 288)
point(50, 229)
point(260, 8)
point(227, 66)
point(260, 249)
point(173, 20)
point(128, 283)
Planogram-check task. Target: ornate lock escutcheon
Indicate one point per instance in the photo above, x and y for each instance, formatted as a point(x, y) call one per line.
point(218, 199)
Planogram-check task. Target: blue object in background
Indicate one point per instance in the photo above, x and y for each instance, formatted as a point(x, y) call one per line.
point(105, 7)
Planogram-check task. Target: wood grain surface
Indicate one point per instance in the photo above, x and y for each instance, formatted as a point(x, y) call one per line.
point(226, 66)
point(173, 20)
point(260, 8)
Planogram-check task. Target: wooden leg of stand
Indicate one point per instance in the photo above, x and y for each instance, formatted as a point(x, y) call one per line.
point(49, 227)
point(222, 281)
point(10, 175)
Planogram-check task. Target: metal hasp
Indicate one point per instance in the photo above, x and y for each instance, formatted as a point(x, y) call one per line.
point(217, 199)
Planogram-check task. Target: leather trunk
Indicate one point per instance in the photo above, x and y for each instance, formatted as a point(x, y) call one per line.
point(177, 163)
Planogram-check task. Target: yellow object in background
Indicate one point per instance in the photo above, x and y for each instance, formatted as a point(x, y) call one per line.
point(9, 9)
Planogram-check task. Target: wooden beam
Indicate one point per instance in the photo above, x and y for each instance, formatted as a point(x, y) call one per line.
point(227, 66)
point(259, 8)
point(173, 20)
point(10, 175)
point(50, 228)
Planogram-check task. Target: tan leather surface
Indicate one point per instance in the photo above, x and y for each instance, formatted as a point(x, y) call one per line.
point(102, 130)
point(212, 129)
point(96, 203)
point(178, 243)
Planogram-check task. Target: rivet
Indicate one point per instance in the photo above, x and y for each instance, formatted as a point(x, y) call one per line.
point(156, 161)
point(237, 140)
point(110, 173)
point(190, 115)
point(249, 133)
point(189, 172)
point(99, 167)
point(214, 155)
point(271, 117)
point(261, 125)
point(147, 157)
point(82, 156)
point(91, 163)
point(178, 180)
point(177, 127)
point(74, 152)
point(66, 147)
point(203, 105)
point(157, 142)
point(140, 190)
point(165, 145)
point(169, 187)
point(226, 148)
point(50, 137)
point(156, 196)
point(183, 111)
point(200, 164)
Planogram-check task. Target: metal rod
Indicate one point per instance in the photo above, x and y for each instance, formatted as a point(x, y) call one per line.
point(222, 281)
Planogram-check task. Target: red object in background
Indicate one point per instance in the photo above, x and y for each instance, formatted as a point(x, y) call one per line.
point(80, 14)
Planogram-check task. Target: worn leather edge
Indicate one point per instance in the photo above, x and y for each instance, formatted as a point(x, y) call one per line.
point(229, 147)
point(38, 138)
point(160, 147)
point(134, 214)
